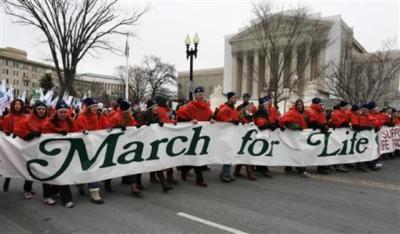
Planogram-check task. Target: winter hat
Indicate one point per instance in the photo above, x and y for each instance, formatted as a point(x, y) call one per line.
point(39, 103)
point(124, 105)
point(246, 95)
point(89, 102)
point(120, 99)
point(150, 104)
point(355, 107)
point(371, 105)
point(61, 106)
point(230, 95)
point(199, 90)
point(365, 106)
point(262, 101)
point(316, 100)
point(161, 101)
point(343, 103)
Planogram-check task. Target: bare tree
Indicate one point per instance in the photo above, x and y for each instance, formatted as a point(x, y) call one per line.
point(361, 78)
point(160, 75)
point(138, 86)
point(289, 41)
point(73, 29)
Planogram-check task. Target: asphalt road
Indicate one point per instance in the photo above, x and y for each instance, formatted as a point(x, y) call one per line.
point(352, 202)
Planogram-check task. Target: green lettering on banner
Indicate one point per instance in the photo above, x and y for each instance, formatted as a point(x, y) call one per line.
point(76, 145)
point(170, 146)
point(138, 151)
point(195, 140)
point(266, 146)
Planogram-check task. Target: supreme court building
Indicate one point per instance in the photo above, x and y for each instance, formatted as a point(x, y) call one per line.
point(247, 70)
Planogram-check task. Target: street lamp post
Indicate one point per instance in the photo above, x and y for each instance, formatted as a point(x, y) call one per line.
point(189, 55)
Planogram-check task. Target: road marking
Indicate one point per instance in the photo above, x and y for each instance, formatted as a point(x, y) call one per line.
point(209, 223)
point(358, 182)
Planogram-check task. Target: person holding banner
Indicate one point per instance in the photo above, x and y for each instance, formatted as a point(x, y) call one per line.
point(16, 114)
point(89, 120)
point(228, 113)
point(266, 117)
point(28, 129)
point(61, 123)
point(296, 119)
point(151, 117)
point(197, 110)
point(122, 119)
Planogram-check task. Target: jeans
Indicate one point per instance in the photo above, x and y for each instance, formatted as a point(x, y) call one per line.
point(226, 169)
point(94, 186)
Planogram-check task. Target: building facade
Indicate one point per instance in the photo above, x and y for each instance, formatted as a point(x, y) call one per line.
point(21, 73)
point(209, 79)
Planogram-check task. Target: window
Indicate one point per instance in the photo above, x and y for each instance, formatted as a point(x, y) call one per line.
point(6, 62)
point(6, 81)
point(6, 71)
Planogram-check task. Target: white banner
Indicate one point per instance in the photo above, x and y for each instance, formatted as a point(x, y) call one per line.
point(99, 155)
point(389, 139)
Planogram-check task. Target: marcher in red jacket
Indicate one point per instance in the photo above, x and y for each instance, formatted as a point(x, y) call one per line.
point(359, 120)
point(374, 116)
point(317, 120)
point(339, 117)
point(16, 114)
point(121, 119)
point(246, 102)
point(296, 119)
point(228, 113)
point(197, 110)
point(60, 123)
point(89, 120)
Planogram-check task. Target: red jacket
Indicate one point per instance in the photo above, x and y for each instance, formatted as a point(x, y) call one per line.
point(339, 117)
point(89, 121)
point(397, 121)
point(29, 124)
point(122, 119)
point(63, 126)
point(375, 120)
point(1, 123)
point(360, 120)
point(228, 113)
point(385, 119)
point(10, 121)
point(163, 116)
point(293, 116)
point(200, 111)
point(273, 114)
point(316, 114)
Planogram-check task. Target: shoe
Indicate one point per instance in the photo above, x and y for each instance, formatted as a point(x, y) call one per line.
point(28, 195)
point(304, 175)
point(166, 189)
point(341, 168)
point(231, 178)
point(136, 192)
point(69, 204)
point(252, 177)
point(238, 174)
point(140, 186)
point(172, 181)
point(378, 165)
point(49, 201)
point(268, 175)
point(224, 178)
point(95, 197)
point(201, 184)
point(289, 170)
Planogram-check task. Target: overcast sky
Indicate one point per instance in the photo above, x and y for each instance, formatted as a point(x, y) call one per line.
point(163, 29)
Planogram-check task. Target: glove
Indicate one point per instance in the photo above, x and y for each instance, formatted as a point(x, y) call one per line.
point(14, 136)
point(161, 124)
point(282, 128)
point(30, 136)
point(85, 132)
point(148, 124)
point(138, 126)
point(274, 126)
point(263, 127)
point(64, 133)
point(38, 134)
point(235, 122)
point(356, 128)
point(8, 133)
point(344, 125)
point(377, 129)
point(123, 128)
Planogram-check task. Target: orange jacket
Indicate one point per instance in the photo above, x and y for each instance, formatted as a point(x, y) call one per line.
point(29, 124)
point(10, 121)
point(87, 122)
point(200, 111)
point(316, 114)
point(294, 116)
point(228, 113)
point(339, 118)
point(163, 116)
point(62, 126)
point(122, 119)
point(375, 120)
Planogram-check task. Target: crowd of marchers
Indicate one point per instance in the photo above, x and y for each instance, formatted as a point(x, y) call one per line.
point(29, 122)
